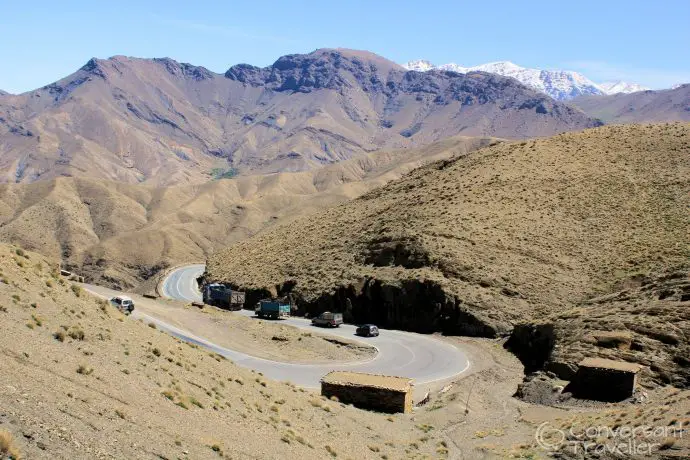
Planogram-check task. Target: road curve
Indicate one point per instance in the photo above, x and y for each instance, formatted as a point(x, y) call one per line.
point(180, 283)
point(423, 358)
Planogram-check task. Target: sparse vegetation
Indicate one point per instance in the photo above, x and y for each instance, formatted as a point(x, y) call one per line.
point(83, 369)
point(76, 333)
point(223, 173)
point(77, 290)
point(8, 449)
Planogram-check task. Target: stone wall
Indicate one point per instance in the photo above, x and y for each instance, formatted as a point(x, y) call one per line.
point(372, 398)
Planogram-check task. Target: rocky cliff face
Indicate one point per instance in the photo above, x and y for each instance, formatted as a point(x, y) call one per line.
point(163, 122)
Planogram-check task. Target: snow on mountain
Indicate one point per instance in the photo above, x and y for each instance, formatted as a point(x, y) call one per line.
point(559, 84)
point(419, 65)
point(615, 87)
point(452, 67)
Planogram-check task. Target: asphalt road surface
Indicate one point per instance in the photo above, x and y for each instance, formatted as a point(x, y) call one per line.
point(423, 358)
point(181, 283)
point(420, 357)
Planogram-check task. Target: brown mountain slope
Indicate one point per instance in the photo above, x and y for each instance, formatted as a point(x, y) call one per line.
point(475, 245)
point(644, 106)
point(119, 234)
point(162, 122)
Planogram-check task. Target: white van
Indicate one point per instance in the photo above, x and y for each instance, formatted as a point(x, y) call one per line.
point(123, 303)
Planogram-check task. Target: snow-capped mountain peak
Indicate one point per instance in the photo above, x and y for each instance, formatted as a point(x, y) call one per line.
point(504, 67)
point(453, 67)
point(615, 87)
point(559, 84)
point(420, 65)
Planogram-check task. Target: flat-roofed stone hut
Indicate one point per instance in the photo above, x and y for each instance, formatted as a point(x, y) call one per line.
point(367, 391)
point(604, 379)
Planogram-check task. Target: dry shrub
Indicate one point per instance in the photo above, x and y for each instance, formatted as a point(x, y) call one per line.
point(76, 333)
point(76, 289)
point(7, 447)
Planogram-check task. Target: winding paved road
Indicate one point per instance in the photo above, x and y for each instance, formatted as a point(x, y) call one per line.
point(420, 357)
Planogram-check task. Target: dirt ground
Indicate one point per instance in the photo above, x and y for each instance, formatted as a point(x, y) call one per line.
point(478, 416)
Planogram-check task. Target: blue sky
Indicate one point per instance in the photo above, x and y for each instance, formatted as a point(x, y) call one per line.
point(641, 41)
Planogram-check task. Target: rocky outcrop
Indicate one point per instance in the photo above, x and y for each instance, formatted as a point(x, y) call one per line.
point(647, 325)
point(411, 305)
point(532, 344)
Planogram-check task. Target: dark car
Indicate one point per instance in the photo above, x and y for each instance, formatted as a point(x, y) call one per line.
point(367, 330)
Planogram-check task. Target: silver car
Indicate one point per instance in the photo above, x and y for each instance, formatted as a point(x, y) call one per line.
point(123, 303)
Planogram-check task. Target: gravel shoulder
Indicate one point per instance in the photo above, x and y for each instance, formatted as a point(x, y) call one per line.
point(263, 339)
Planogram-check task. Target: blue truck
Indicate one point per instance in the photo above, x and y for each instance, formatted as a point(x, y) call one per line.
point(272, 308)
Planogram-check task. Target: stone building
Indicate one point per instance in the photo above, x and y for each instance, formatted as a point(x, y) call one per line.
point(604, 379)
point(367, 391)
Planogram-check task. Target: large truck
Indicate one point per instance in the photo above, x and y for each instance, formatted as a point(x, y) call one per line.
point(222, 296)
point(273, 308)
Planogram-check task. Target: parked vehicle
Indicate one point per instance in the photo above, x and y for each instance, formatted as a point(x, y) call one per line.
point(328, 319)
point(123, 303)
point(367, 330)
point(221, 296)
point(274, 309)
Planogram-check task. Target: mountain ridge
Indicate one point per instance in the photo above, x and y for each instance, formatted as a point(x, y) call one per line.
point(163, 122)
point(559, 84)
point(643, 106)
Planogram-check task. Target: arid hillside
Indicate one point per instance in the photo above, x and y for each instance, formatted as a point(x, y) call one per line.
point(163, 122)
point(80, 380)
point(119, 234)
point(508, 234)
point(640, 107)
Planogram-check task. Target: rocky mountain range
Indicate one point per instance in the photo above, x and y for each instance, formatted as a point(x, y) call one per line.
point(163, 122)
point(559, 84)
point(665, 105)
point(618, 87)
